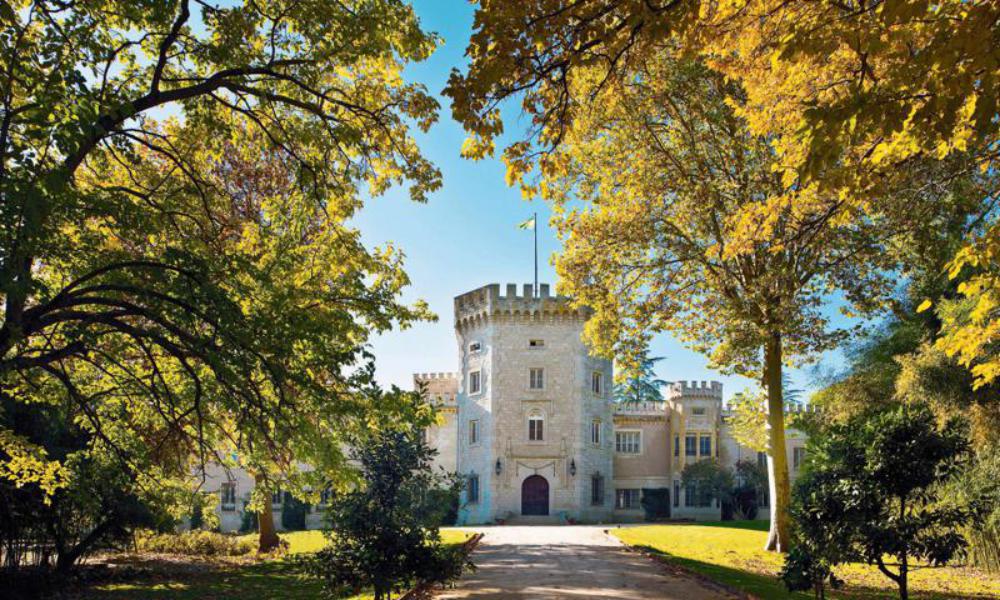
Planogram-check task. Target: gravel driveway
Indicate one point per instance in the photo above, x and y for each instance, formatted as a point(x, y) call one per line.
point(568, 562)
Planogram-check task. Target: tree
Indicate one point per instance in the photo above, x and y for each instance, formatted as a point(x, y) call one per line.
point(643, 386)
point(655, 247)
point(710, 480)
point(145, 228)
point(385, 532)
point(872, 490)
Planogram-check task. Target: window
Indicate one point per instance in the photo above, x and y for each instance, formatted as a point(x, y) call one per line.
point(597, 490)
point(536, 378)
point(595, 432)
point(705, 448)
point(325, 496)
point(276, 499)
point(473, 432)
point(677, 493)
point(698, 411)
point(536, 427)
point(628, 442)
point(762, 460)
point(677, 445)
point(227, 495)
point(627, 498)
point(473, 488)
point(690, 445)
point(475, 347)
point(475, 382)
point(536, 343)
point(798, 456)
point(597, 383)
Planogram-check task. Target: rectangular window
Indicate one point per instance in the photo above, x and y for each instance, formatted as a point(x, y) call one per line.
point(690, 445)
point(227, 496)
point(473, 432)
point(276, 500)
point(536, 378)
point(473, 488)
point(677, 445)
point(475, 347)
point(597, 490)
point(706, 446)
point(762, 460)
point(475, 382)
point(698, 411)
point(677, 493)
point(798, 457)
point(536, 343)
point(627, 498)
point(595, 432)
point(628, 442)
point(536, 429)
point(597, 383)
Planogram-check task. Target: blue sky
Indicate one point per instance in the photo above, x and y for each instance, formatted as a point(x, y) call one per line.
point(466, 235)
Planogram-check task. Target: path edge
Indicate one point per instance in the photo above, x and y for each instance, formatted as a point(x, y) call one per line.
point(425, 590)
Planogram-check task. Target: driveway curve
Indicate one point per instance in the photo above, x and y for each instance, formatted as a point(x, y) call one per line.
point(569, 561)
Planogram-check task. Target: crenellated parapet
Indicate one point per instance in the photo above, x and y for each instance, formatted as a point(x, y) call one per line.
point(692, 389)
point(489, 302)
point(441, 387)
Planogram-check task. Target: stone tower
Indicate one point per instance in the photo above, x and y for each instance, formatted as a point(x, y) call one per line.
point(534, 419)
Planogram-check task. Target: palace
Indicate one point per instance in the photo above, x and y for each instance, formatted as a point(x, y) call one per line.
point(530, 422)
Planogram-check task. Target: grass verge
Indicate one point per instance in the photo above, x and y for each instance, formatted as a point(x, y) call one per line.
point(732, 553)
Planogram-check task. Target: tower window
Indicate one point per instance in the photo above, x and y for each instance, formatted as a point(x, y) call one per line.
point(706, 445)
point(595, 432)
point(597, 490)
point(473, 432)
point(698, 411)
point(475, 347)
point(473, 489)
point(536, 379)
point(536, 343)
point(690, 445)
point(597, 383)
point(227, 496)
point(475, 382)
point(536, 427)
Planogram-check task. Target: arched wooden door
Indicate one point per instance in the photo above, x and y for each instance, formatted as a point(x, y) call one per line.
point(535, 496)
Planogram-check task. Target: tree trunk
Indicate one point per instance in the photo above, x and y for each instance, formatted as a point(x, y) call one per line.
point(777, 460)
point(268, 539)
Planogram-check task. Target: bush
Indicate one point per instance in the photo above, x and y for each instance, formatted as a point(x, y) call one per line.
point(195, 543)
point(293, 513)
point(656, 503)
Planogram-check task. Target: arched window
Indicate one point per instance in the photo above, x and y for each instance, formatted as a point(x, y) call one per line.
point(536, 427)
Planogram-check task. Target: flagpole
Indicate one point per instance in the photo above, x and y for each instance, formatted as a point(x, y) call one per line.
point(535, 218)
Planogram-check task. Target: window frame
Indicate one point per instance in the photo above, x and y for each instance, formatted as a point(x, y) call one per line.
point(691, 449)
point(475, 347)
point(702, 438)
point(798, 456)
point(595, 432)
point(540, 373)
point(536, 433)
point(597, 490)
point(472, 485)
point(698, 411)
point(223, 504)
point(536, 344)
point(479, 382)
point(628, 498)
point(473, 433)
point(597, 383)
point(619, 445)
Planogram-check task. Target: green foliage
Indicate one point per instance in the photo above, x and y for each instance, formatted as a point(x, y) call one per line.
point(386, 531)
point(872, 490)
point(711, 480)
point(195, 543)
point(655, 503)
point(176, 261)
point(750, 479)
point(643, 385)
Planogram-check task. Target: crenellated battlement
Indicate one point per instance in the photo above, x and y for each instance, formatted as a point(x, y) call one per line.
point(429, 376)
point(706, 389)
point(489, 301)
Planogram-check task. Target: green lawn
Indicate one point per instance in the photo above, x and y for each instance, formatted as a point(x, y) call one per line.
point(193, 579)
point(732, 553)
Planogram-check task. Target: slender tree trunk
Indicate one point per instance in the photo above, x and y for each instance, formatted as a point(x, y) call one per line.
point(777, 461)
point(268, 539)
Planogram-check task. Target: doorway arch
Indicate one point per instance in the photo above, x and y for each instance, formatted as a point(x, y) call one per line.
point(535, 496)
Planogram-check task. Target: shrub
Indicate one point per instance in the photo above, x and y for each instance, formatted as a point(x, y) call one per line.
point(656, 503)
point(195, 543)
point(293, 513)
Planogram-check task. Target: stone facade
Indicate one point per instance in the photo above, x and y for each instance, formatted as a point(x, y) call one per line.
point(536, 422)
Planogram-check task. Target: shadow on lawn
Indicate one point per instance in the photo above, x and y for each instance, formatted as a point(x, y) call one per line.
point(770, 587)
